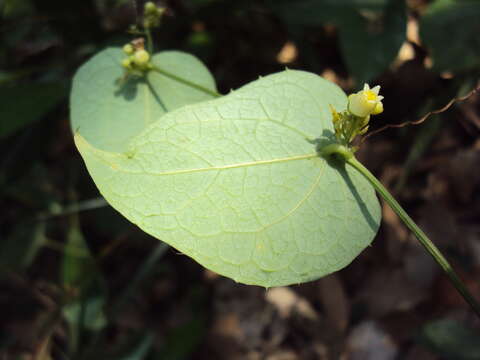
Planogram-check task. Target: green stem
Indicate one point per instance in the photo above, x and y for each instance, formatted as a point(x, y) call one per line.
point(90, 204)
point(148, 33)
point(421, 236)
point(146, 269)
point(186, 82)
point(336, 149)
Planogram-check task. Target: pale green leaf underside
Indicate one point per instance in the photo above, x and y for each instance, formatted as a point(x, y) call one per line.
point(236, 183)
point(109, 115)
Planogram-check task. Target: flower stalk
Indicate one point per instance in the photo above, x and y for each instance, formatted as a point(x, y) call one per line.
point(419, 234)
point(354, 121)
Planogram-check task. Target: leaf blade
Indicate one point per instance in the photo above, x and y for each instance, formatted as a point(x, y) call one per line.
point(265, 209)
point(109, 114)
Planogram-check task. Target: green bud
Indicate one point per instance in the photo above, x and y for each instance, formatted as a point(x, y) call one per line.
point(378, 109)
point(150, 8)
point(147, 23)
point(141, 57)
point(127, 63)
point(128, 49)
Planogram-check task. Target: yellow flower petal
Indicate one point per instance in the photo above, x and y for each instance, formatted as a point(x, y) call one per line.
point(366, 102)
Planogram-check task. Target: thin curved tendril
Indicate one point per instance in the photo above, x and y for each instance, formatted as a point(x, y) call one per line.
point(423, 118)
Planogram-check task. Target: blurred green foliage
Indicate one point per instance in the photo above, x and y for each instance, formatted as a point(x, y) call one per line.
point(451, 339)
point(450, 31)
point(370, 32)
point(25, 103)
point(91, 260)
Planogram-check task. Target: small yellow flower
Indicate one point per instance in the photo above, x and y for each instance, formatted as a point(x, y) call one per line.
point(366, 102)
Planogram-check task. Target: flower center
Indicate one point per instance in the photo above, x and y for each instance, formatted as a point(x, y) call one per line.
point(370, 95)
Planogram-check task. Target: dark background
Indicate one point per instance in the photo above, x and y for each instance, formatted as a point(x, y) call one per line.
point(77, 281)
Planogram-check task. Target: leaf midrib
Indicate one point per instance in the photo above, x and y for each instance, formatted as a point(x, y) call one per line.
point(232, 166)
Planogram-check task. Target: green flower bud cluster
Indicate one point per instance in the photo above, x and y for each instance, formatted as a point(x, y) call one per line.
point(152, 15)
point(138, 60)
point(355, 119)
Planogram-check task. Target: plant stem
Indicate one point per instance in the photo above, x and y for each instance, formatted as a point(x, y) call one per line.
point(186, 82)
point(148, 33)
point(421, 236)
point(145, 270)
point(90, 204)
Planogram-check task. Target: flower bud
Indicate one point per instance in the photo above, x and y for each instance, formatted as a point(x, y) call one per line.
point(141, 57)
point(126, 63)
point(378, 109)
point(128, 49)
point(150, 8)
point(365, 102)
point(161, 11)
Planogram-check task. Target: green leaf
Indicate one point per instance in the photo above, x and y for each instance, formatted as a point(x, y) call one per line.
point(145, 270)
point(19, 249)
point(80, 276)
point(182, 341)
point(88, 313)
point(23, 104)
point(77, 261)
point(140, 349)
point(136, 345)
point(450, 31)
point(371, 32)
point(108, 114)
point(237, 183)
point(14, 8)
point(451, 340)
point(369, 46)
point(321, 12)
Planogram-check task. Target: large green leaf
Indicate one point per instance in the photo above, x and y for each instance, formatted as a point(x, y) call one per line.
point(25, 103)
point(369, 46)
point(321, 12)
point(451, 339)
point(371, 32)
point(83, 282)
point(108, 113)
point(450, 30)
point(237, 184)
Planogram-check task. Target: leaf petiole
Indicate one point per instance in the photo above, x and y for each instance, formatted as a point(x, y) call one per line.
point(148, 34)
point(337, 149)
point(420, 235)
point(185, 81)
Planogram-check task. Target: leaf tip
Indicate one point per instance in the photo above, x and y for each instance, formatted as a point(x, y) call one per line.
point(79, 139)
point(83, 145)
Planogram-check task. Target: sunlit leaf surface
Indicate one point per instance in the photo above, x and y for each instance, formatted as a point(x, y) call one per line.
point(237, 183)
